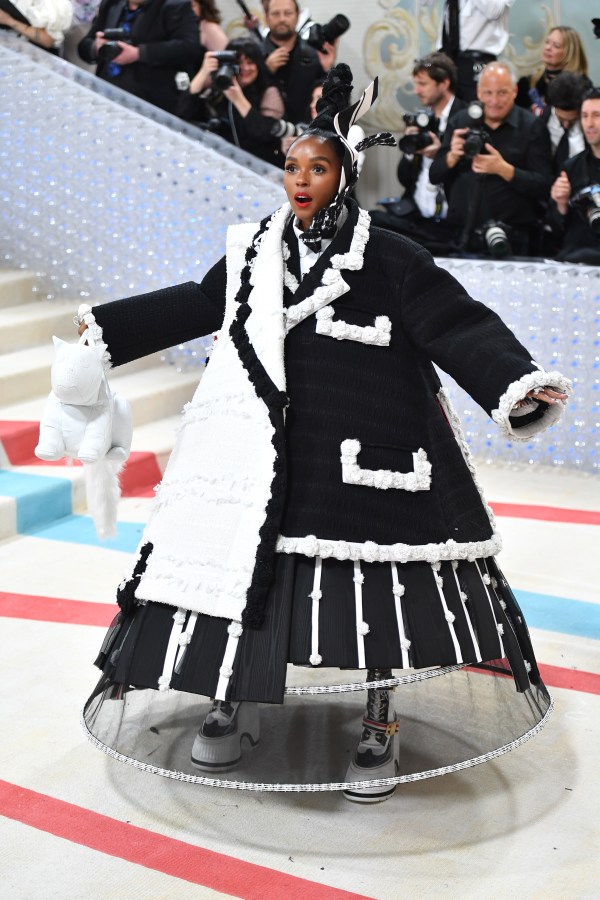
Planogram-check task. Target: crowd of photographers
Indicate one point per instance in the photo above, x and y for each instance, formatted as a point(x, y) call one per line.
point(488, 165)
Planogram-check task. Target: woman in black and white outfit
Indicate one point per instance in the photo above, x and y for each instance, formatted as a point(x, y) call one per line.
point(320, 508)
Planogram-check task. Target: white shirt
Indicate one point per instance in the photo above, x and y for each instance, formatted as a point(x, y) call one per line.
point(556, 131)
point(483, 24)
point(426, 193)
point(309, 257)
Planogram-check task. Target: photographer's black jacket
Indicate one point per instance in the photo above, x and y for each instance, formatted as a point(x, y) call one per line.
point(523, 141)
point(573, 230)
point(166, 32)
point(297, 78)
point(364, 327)
point(253, 132)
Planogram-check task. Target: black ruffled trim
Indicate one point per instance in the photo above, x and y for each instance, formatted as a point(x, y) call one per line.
point(275, 401)
point(126, 594)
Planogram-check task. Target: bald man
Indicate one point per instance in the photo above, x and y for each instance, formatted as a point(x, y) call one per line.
point(507, 180)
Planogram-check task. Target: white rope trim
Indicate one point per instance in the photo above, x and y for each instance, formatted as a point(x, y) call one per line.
point(377, 335)
point(164, 682)
point(361, 626)
point(518, 391)
point(332, 284)
point(383, 479)
point(184, 640)
point(398, 592)
point(372, 552)
point(449, 616)
point(313, 788)
point(463, 600)
point(234, 631)
point(315, 657)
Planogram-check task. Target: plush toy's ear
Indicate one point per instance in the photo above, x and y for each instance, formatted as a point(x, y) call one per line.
point(57, 341)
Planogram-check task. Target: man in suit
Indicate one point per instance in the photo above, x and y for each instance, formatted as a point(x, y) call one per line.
point(561, 116)
point(421, 211)
point(161, 39)
point(574, 216)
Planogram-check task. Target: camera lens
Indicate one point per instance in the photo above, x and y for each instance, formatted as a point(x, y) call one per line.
point(497, 241)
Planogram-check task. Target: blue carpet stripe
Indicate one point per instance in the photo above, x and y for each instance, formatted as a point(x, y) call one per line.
point(39, 499)
point(80, 530)
point(576, 617)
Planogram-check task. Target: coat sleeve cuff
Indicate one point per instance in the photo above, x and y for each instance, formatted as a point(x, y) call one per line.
point(537, 415)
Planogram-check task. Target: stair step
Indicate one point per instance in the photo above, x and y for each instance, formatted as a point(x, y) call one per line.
point(16, 287)
point(25, 377)
point(34, 323)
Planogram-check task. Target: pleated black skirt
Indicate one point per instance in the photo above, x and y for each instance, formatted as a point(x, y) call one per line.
point(329, 613)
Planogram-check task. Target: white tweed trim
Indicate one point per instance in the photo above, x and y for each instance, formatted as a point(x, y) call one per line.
point(332, 284)
point(369, 551)
point(378, 335)
point(517, 391)
point(383, 479)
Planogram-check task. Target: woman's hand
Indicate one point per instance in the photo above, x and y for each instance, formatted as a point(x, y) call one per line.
point(202, 77)
point(547, 394)
point(237, 97)
point(35, 35)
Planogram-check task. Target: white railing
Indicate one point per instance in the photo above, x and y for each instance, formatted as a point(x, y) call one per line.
point(104, 200)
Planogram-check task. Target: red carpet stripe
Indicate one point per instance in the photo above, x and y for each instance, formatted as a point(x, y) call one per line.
point(78, 612)
point(54, 609)
point(547, 513)
point(156, 851)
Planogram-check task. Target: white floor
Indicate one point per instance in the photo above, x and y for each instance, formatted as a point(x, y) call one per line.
point(525, 825)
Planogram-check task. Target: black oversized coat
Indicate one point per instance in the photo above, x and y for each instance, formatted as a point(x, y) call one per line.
point(381, 395)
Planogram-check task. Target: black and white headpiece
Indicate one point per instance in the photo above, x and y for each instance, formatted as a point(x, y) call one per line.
point(325, 222)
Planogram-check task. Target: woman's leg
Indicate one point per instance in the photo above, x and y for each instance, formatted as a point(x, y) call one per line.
point(376, 754)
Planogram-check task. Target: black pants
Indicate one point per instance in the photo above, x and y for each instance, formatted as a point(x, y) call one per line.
point(469, 65)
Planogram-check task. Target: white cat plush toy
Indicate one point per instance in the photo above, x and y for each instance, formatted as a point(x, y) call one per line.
point(85, 420)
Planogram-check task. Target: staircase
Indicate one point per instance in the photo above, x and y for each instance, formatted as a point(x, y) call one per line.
point(33, 494)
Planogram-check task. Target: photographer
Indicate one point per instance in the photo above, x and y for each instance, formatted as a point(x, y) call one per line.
point(421, 211)
point(295, 65)
point(238, 101)
point(495, 170)
point(158, 38)
point(575, 213)
point(561, 116)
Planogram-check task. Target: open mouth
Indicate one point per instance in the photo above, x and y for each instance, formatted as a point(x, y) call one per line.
point(302, 200)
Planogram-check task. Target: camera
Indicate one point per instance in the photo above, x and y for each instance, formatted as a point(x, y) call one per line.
point(228, 69)
point(425, 121)
point(494, 238)
point(284, 129)
point(476, 137)
point(111, 49)
point(328, 33)
point(587, 201)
